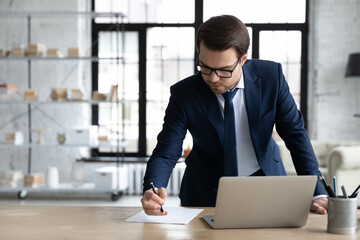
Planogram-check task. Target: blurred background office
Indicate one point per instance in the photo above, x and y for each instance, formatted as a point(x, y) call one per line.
point(84, 85)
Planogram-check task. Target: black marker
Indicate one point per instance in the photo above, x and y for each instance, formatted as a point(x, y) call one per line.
point(327, 188)
point(354, 194)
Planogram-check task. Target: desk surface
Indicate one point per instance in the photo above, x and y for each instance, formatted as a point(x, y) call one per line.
point(104, 223)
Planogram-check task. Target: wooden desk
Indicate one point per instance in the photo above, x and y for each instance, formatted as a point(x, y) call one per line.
point(104, 223)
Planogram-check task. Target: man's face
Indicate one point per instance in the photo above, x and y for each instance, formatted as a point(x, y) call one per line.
point(225, 60)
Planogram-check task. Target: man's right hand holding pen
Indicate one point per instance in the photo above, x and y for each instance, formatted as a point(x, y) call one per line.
point(153, 200)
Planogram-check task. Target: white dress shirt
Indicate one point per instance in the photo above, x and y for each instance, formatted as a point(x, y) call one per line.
point(247, 161)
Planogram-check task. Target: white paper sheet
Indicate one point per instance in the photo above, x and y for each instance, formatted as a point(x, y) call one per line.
point(176, 215)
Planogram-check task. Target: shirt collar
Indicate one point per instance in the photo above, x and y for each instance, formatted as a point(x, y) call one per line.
point(240, 83)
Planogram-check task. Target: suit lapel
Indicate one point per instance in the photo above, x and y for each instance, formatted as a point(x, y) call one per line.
point(253, 100)
point(210, 105)
point(207, 100)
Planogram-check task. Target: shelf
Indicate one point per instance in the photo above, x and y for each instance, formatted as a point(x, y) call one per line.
point(62, 186)
point(92, 59)
point(113, 59)
point(32, 145)
point(128, 160)
point(65, 14)
point(122, 101)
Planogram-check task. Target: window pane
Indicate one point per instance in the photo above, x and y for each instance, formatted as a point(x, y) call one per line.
point(170, 58)
point(250, 46)
point(149, 11)
point(284, 47)
point(122, 118)
point(258, 11)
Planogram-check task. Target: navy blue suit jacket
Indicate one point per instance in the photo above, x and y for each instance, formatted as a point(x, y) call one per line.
point(194, 107)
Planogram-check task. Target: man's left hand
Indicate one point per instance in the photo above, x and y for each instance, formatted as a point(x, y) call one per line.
point(319, 205)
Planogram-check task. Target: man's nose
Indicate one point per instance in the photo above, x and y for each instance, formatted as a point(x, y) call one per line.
point(213, 77)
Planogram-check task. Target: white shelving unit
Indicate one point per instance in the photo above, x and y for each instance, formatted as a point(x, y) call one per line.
point(119, 144)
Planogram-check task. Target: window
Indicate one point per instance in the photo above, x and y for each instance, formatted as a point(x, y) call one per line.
point(154, 49)
point(284, 47)
point(150, 11)
point(157, 43)
point(119, 118)
point(170, 58)
point(259, 11)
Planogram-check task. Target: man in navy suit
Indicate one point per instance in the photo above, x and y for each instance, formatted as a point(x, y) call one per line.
point(261, 99)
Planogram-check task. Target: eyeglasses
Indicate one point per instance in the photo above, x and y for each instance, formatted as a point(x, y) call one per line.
point(219, 72)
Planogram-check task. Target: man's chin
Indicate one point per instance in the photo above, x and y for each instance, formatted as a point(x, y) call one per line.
point(217, 90)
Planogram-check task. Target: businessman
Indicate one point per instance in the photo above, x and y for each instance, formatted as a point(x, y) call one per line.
point(230, 108)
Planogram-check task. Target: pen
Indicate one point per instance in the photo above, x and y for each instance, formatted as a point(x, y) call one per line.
point(327, 188)
point(354, 194)
point(334, 184)
point(153, 188)
point(344, 191)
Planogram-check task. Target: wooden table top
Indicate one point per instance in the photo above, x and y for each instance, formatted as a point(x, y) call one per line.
point(84, 222)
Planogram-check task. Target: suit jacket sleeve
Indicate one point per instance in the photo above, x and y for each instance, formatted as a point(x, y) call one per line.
point(169, 145)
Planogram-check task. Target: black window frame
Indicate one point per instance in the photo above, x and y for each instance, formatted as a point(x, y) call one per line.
point(141, 28)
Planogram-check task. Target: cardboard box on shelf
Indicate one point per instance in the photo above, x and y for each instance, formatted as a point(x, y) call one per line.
point(103, 138)
point(36, 49)
point(54, 52)
point(75, 52)
point(30, 95)
point(34, 180)
point(99, 96)
point(59, 94)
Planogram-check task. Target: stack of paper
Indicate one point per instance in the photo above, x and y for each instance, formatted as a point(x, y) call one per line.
point(76, 95)
point(11, 179)
point(4, 53)
point(17, 52)
point(176, 215)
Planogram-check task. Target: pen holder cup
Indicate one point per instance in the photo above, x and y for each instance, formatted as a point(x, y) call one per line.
point(342, 215)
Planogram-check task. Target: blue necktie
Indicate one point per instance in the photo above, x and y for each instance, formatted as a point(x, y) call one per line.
point(230, 156)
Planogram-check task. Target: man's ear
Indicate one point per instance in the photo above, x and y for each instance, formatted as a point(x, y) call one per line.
point(243, 58)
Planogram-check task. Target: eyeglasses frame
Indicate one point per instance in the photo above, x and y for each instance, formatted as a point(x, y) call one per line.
point(216, 69)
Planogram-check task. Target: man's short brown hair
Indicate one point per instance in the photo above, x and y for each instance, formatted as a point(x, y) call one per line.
point(220, 33)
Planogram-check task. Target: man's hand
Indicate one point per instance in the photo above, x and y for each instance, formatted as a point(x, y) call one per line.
point(152, 202)
point(319, 205)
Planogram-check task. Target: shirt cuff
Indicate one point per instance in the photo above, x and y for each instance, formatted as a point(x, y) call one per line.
point(319, 196)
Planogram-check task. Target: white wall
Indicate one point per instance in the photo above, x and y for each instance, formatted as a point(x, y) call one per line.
point(333, 99)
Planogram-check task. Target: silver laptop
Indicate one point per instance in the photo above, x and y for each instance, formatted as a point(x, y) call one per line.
point(262, 202)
